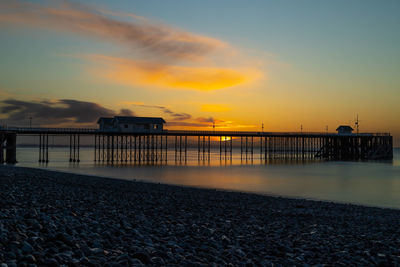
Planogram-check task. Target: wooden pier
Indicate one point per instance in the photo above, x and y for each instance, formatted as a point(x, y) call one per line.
point(8, 147)
point(117, 147)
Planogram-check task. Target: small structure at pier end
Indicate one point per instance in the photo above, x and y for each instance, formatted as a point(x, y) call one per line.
point(129, 124)
point(344, 130)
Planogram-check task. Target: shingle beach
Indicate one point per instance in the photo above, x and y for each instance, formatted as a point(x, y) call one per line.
point(51, 218)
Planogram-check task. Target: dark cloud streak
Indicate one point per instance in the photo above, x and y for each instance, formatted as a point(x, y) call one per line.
point(81, 113)
point(56, 112)
point(175, 116)
point(153, 38)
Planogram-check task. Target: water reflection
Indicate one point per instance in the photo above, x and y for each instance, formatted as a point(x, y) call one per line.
point(368, 183)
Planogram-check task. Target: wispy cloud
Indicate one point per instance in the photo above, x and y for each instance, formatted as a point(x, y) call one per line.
point(174, 115)
point(75, 113)
point(197, 122)
point(181, 118)
point(208, 123)
point(132, 72)
point(56, 112)
point(153, 38)
point(158, 55)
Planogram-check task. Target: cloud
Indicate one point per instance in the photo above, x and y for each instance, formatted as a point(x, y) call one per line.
point(162, 56)
point(133, 72)
point(182, 118)
point(204, 120)
point(151, 37)
point(126, 112)
point(56, 112)
point(75, 113)
point(174, 115)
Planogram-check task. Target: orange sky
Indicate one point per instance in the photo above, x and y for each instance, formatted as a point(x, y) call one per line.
point(242, 67)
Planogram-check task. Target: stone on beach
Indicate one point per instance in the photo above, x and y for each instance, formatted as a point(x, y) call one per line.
point(53, 218)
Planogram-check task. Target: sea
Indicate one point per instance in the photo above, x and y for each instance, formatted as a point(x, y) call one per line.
point(368, 183)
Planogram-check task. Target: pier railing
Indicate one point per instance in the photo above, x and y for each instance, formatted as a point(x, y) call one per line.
point(52, 130)
point(44, 130)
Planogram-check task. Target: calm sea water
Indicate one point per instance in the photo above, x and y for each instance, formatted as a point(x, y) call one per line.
point(366, 183)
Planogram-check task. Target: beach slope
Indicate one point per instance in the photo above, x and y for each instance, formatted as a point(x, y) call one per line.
point(52, 218)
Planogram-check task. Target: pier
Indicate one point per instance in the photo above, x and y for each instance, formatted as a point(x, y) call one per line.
point(8, 147)
point(145, 146)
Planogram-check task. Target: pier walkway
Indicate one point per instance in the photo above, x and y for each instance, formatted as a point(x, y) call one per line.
point(112, 146)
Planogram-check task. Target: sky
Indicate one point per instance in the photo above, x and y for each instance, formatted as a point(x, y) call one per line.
point(237, 64)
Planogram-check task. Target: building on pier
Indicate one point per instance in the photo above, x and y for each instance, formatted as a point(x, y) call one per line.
point(129, 124)
point(344, 130)
point(105, 123)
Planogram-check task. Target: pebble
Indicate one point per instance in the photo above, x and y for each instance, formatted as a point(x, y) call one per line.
point(26, 248)
point(57, 219)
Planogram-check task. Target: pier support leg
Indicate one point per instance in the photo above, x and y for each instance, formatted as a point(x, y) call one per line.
point(130, 149)
point(11, 148)
point(241, 147)
point(78, 159)
point(230, 150)
point(40, 149)
point(2, 139)
point(166, 148)
point(220, 146)
point(225, 147)
point(70, 148)
point(95, 147)
point(252, 147)
point(47, 148)
point(112, 149)
point(74, 147)
point(176, 147)
point(180, 147)
point(103, 154)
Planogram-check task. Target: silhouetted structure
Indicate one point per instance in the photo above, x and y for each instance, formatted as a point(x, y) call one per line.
point(151, 145)
point(129, 124)
point(8, 142)
point(344, 129)
point(105, 124)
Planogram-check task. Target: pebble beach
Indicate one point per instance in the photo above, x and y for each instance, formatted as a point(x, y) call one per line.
point(50, 218)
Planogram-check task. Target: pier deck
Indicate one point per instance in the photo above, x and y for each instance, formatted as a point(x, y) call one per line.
point(112, 146)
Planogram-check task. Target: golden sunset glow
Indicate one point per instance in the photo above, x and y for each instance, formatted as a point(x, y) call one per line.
point(225, 138)
point(214, 108)
point(186, 65)
point(132, 72)
point(222, 138)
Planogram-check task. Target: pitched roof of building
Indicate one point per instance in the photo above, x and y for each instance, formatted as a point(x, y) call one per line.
point(344, 127)
point(139, 120)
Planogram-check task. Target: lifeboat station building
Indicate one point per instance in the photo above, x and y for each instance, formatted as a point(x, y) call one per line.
point(129, 124)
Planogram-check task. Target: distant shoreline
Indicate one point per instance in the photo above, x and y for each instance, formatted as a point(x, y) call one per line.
point(64, 218)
